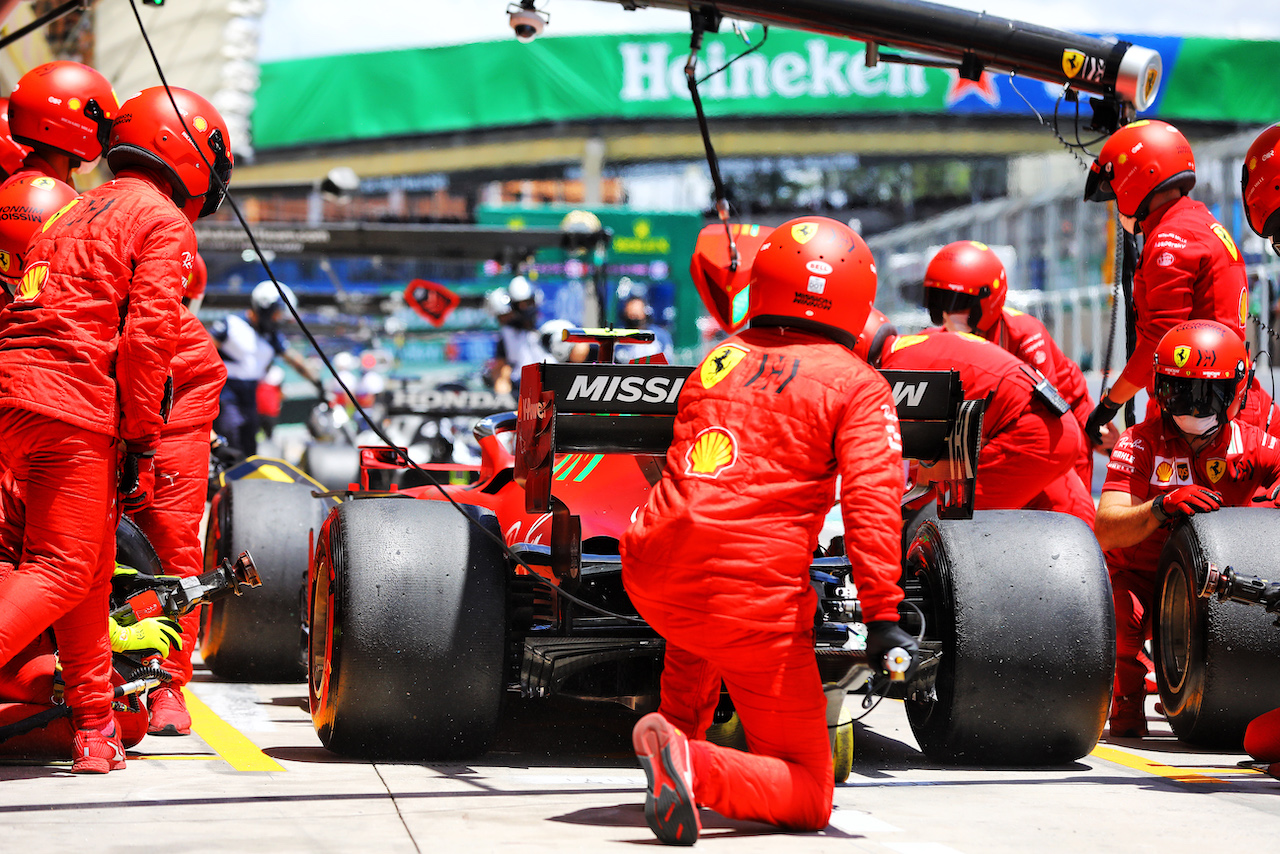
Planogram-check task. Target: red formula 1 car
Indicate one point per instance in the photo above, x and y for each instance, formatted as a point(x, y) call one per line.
point(420, 621)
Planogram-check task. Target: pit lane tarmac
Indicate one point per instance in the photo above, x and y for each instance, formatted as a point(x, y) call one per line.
point(561, 777)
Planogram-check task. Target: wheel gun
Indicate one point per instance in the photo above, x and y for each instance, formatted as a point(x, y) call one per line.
point(1238, 587)
point(171, 596)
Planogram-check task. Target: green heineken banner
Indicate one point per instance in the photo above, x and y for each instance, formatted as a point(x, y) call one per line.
point(504, 83)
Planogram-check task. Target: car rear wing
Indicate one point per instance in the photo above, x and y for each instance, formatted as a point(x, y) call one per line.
point(630, 409)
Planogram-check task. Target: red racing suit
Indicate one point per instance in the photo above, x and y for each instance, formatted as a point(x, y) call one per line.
point(33, 165)
point(1029, 452)
point(1153, 458)
point(718, 559)
point(1027, 338)
point(85, 351)
point(172, 522)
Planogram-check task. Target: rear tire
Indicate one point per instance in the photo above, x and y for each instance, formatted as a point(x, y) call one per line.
point(1019, 605)
point(258, 637)
point(1216, 661)
point(408, 631)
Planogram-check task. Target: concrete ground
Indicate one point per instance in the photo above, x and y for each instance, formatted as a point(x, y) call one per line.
point(562, 777)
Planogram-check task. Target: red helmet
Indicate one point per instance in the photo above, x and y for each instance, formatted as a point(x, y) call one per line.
point(814, 273)
point(149, 134)
point(1138, 161)
point(64, 105)
point(877, 334)
point(1260, 184)
point(196, 280)
point(1202, 368)
point(11, 153)
point(966, 274)
point(24, 205)
point(723, 290)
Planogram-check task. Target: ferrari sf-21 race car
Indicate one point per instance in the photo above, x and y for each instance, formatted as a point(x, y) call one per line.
point(423, 616)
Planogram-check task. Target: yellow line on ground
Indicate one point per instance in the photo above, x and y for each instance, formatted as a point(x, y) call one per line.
point(239, 752)
point(170, 757)
point(1181, 775)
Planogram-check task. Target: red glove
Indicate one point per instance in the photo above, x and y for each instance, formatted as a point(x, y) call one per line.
point(1272, 497)
point(137, 481)
point(1185, 501)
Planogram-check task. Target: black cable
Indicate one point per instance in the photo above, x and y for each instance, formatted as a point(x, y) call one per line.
point(704, 78)
point(402, 453)
point(713, 162)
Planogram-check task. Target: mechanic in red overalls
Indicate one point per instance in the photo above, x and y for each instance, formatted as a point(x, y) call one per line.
point(1189, 269)
point(63, 111)
point(1195, 456)
point(172, 521)
point(964, 290)
point(25, 203)
point(11, 153)
point(718, 559)
point(1029, 448)
point(1260, 191)
point(85, 351)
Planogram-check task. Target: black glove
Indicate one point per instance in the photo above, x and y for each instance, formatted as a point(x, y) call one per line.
point(226, 455)
point(137, 481)
point(883, 636)
point(1104, 413)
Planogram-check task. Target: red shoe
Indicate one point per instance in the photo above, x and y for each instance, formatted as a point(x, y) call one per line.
point(96, 753)
point(669, 807)
point(1128, 718)
point(168, 710)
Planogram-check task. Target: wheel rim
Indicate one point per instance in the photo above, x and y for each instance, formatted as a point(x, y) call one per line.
point(1175, 625)
point(320, 646)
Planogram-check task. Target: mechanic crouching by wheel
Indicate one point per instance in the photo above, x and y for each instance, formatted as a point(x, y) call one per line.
point(1195, 456)
point(85, 351)
point(1031, 444)
point(1189, 268)
point(172, 521)
point(718, 559)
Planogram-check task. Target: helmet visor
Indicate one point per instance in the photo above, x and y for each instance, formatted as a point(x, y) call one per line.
point(1192, 396)
point(221, 174)
point(1097, 187)
point(93, 112)
point(940, 302)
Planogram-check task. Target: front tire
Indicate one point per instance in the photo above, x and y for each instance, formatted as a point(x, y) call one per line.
point(408, 631)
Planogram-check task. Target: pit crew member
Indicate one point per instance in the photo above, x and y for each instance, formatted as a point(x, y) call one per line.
point(515, 307)
point(1190, 267)
point(63, 111)
point(85, 351)
point(964, 290)
point(25, 203)
point(11, 153)
point(172, 521)
point(1260, 191)
point(248, 345)
point(718, 559)
point(1030, 442)
point(1196, 455)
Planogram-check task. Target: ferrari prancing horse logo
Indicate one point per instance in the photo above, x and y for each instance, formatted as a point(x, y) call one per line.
point(1215, 468)
point(719, 363)
point(1072, 61)
point(803, 232)
point(1180, 355)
